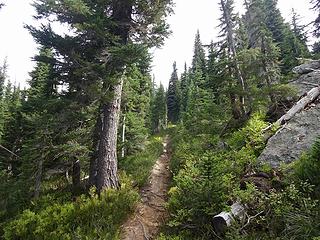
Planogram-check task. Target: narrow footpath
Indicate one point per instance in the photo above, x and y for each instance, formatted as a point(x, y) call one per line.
point(150, 212)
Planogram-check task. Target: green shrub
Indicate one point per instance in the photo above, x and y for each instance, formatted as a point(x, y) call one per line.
point(90, 217)
point(139, 165)
point(308, 167)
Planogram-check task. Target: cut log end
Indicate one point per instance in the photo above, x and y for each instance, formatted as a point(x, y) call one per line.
point(221, 222)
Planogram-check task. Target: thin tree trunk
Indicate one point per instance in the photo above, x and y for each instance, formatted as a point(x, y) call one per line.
point(107, 159)
point(265, 69)
point(76, 181)
point(123, 136)
point(38, 178)
point(236, 112)
point(233, 52)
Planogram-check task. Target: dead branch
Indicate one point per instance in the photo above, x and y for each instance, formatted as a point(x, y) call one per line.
point(6, 149)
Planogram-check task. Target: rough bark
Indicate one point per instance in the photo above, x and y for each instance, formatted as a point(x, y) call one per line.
point(107, 165)
point(107, 156)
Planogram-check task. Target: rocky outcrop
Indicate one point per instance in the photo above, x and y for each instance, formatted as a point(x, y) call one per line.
point(299, 134)
point(307, 67)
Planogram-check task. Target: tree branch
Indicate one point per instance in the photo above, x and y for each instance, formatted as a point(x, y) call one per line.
point(6, 149)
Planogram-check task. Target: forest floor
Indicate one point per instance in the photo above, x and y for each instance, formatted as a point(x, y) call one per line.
point(150, 213)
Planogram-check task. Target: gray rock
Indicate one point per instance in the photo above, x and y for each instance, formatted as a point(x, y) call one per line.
point(306, 82)
point(307, 67)
point(294, 138)
point(300, 133)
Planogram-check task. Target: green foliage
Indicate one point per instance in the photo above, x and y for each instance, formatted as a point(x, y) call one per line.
point(206, 170)
point(308, 167)
point(316, 8)
point(136, 101)
point(159, 110)
point(174, 96)
point(89, 217)
point(139, 165)
point(287, 214)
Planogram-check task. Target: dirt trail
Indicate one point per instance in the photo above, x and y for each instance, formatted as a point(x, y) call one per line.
point(150, 213)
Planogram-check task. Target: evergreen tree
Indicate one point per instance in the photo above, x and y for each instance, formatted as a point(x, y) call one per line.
point(135, 109)
point(184, 86)
point(159, 110)
point(316, 50)
point(316, 8)
point(3, 76)
point(262, 37)
point(199, 58)
point(106, 39)
point(297, 28)
point(3, 109)
point(173, 96)
point(215, 81)
point(228, 26)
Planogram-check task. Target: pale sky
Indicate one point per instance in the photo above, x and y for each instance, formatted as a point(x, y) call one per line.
point(17, 45)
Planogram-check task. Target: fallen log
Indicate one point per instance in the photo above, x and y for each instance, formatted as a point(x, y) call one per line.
point(311, 96)
point(224, 219)
point(300, 105)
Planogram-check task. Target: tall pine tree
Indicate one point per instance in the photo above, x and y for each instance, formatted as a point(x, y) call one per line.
point(107, 37)
point(173, 96)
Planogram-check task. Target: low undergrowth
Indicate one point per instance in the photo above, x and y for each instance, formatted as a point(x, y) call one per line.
point(208, 171)
point(89, 216)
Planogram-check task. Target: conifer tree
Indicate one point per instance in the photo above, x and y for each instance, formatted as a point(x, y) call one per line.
point(199, 58)
point(261, 38)
point(297, 28)
point(135, 109)
point(214, 79)
point(316, 8)
point(316, 49)
point(159, 110)
point(173, 96)
point(184, 86)
point(228, 26)
point(107, 38)
point(3, 76)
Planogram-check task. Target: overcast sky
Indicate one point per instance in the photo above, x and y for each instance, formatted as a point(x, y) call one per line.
point(17, 45)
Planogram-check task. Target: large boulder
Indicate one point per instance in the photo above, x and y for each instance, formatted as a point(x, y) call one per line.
point(294, 138)
point(299, 134)
point(307, 67)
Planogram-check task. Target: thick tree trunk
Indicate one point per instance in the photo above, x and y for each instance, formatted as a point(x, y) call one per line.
point(107, 156)
point(107, 165)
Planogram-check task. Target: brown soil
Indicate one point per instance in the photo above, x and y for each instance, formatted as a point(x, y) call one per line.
point(150, 212)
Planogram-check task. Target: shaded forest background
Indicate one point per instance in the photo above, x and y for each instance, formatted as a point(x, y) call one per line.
point(79, 142)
